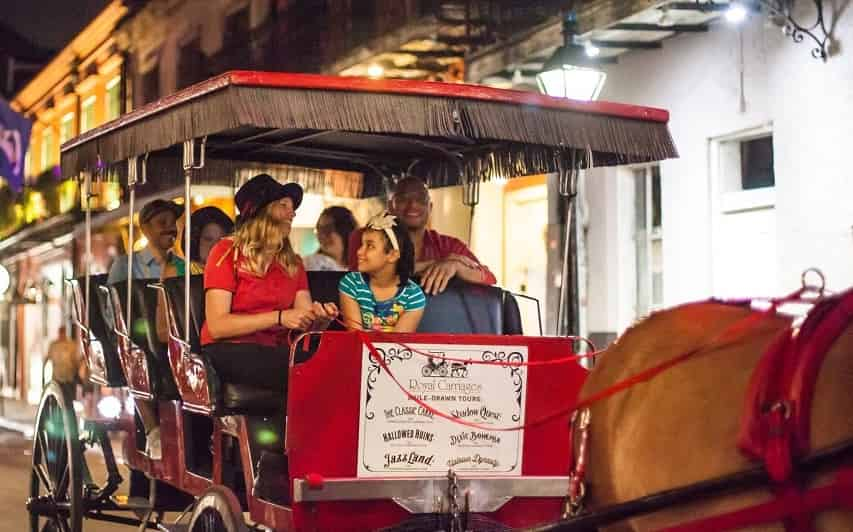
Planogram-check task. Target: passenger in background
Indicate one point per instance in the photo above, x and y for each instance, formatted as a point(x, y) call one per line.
point(68, 366)
point(333, 229)
point(207, 227)
point(380, 296)
point(438, 257)
point(158, 222)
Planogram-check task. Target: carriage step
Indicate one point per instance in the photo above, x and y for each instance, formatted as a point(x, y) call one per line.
point(131, 503)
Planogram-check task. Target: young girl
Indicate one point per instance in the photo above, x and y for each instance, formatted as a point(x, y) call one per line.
point(380, 296)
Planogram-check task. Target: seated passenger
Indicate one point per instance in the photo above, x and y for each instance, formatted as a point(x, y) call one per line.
point(158, 222)
point(256, 290)
point(334, 227)
point(438, 258)
point(380, 296)
point(207, 227)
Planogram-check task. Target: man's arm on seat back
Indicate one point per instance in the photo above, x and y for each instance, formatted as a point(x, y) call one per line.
point(473, 272)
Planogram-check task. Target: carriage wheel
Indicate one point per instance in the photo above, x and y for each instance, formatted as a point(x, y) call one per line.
point(442, 371)
point(217, 510)
point(56, 484)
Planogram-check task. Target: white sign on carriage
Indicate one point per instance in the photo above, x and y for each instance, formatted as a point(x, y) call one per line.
point(399, 437)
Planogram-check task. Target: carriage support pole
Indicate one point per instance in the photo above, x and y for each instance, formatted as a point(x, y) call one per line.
point(131, 189)
point(87, 196)
point(568, 188)
point(192, 161)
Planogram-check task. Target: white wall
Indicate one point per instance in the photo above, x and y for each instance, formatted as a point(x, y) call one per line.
point(697, 78)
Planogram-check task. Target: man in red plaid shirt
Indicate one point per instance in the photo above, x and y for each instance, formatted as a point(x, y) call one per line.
point(438, 258)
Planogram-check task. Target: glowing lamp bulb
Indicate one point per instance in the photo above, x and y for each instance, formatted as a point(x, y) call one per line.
point(109, 406)
point(736, 13)
point(591, 49)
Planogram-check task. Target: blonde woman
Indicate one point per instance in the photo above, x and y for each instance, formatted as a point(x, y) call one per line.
point(256, 290)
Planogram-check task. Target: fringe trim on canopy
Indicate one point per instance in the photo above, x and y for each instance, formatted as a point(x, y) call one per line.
point(523, 140)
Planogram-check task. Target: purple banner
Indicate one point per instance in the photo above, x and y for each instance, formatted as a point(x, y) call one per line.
point(14, 142)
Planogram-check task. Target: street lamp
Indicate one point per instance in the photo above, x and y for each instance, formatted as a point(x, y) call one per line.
point(573, 71)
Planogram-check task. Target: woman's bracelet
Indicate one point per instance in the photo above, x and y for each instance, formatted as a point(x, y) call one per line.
point(279, 319)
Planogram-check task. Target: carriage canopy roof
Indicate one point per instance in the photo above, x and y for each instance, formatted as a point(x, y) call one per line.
point(446, 133)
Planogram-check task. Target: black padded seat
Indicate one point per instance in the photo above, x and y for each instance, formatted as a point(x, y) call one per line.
point(241, 397)
point(143, 332)
point(102, 341)
point(229, 398)
point(512, 323)
point(465, 308)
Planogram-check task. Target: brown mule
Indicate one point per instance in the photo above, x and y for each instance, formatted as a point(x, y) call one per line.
point(682, 426)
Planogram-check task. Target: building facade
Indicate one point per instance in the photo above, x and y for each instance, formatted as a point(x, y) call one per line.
point(760, 191)
point(80, 88)
point(758, 194)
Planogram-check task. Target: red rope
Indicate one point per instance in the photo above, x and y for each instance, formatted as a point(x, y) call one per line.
point(741, 326)
point(739, 329)
point(381, 336)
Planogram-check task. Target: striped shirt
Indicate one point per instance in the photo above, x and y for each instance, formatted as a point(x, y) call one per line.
point(381, 315)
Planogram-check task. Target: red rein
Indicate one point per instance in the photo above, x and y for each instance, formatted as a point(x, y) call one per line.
point(728, 337)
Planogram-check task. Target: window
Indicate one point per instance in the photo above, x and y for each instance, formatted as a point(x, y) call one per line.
point(87, 114)
point(46, 149)
point(746, 161)
point(113, 98)
point(756, 163)
point(649, 238)
point(66, 128)
point(236, 28)
point(151, 85)
point(191, 65)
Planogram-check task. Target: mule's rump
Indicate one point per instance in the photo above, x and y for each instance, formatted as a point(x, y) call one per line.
point(681, 427)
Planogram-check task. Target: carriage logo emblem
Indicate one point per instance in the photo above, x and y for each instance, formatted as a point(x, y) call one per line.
point(437, 367)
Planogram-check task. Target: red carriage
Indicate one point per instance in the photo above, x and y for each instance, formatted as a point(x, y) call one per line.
point(460, 426)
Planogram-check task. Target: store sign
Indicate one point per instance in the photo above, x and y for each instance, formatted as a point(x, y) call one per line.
point(398, 437)
point(14, 140)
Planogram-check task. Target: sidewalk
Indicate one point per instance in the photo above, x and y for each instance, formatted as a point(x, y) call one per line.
point(17, 416)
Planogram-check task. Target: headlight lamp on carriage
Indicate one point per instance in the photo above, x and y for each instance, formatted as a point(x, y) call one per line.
point(109, 406)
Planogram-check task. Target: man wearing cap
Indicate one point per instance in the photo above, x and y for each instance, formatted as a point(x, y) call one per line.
point(158, 222)
point(438, 257)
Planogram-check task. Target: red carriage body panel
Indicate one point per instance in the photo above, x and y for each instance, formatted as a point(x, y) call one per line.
point(323, 426)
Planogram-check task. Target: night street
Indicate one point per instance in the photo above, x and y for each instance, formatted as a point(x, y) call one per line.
point(15, 471)
point(419, 265)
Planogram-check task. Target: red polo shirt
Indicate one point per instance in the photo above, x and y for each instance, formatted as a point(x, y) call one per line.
point(435, 247)
point(251, 294)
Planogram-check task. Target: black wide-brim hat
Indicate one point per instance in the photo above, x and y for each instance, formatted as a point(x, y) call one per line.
point(260, 191)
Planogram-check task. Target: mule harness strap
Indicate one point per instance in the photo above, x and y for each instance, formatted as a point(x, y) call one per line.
point(776, 424)
point(775, 428)
point(792, 505)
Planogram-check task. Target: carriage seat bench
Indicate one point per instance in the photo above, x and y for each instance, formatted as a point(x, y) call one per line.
point(461, 309)
point(219, 398)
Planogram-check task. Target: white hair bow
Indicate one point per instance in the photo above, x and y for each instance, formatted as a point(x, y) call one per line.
point(385, 222)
